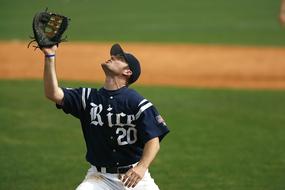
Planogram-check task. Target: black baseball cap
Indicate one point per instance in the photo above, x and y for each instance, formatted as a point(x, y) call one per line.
point(131, 60)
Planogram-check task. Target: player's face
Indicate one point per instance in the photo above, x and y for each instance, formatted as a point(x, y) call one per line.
point(116, 65)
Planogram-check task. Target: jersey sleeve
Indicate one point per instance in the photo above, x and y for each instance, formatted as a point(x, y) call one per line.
point(74, 100)
point(150, 123)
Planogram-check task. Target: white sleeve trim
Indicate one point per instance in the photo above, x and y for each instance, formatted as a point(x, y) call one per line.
point(88, 92)
point(83, 98)
point(143, 101)
point(142, 109)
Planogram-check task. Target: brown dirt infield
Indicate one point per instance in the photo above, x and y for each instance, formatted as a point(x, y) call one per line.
point(162, 64)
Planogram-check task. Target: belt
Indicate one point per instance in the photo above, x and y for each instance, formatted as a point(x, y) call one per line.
point(114, 170)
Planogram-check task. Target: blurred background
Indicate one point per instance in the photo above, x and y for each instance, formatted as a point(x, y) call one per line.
point(215, 69)
point(217, 22)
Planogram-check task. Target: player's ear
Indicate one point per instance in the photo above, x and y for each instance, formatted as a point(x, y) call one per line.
point(127, 72)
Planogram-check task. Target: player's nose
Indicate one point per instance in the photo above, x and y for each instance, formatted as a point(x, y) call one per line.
point(108, 61)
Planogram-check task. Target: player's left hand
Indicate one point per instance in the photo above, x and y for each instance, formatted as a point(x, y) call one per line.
point(133, 176)
point(49, 51)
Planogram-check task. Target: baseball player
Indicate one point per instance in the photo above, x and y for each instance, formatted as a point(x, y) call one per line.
point(122, 129)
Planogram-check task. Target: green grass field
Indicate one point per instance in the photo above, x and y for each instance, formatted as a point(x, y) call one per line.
point(219, 140)
point(251, 22)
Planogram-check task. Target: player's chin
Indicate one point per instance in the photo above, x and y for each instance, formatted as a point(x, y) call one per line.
point(104, 65)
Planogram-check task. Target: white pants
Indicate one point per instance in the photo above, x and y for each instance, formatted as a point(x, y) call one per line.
point(95, 180)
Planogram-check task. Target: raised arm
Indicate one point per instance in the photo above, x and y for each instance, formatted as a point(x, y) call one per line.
point(52, 90)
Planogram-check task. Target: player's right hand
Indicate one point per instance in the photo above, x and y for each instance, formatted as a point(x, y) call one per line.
point(133, 176)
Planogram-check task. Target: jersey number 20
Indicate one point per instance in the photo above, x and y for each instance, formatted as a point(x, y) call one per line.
point(126, 136)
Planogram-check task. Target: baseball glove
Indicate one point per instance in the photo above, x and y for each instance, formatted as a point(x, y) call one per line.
point(48, 29)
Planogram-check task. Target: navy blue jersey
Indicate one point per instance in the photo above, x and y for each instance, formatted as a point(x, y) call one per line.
point(116, 124)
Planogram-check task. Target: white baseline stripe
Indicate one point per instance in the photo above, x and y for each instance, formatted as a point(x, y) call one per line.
point(83, 98)
point(142, 109)
point(143, 101)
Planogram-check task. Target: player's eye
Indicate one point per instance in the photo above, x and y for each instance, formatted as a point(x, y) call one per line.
point(121, 58)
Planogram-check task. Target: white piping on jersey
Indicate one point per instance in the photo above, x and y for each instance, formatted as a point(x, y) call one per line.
point(142, 109)
point(88, 92)
point(143, 101)
point(83, 98)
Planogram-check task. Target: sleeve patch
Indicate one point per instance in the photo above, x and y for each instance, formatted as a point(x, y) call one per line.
point(160, 120)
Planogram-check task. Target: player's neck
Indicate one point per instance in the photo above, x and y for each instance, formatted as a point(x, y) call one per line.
point(114, 83)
